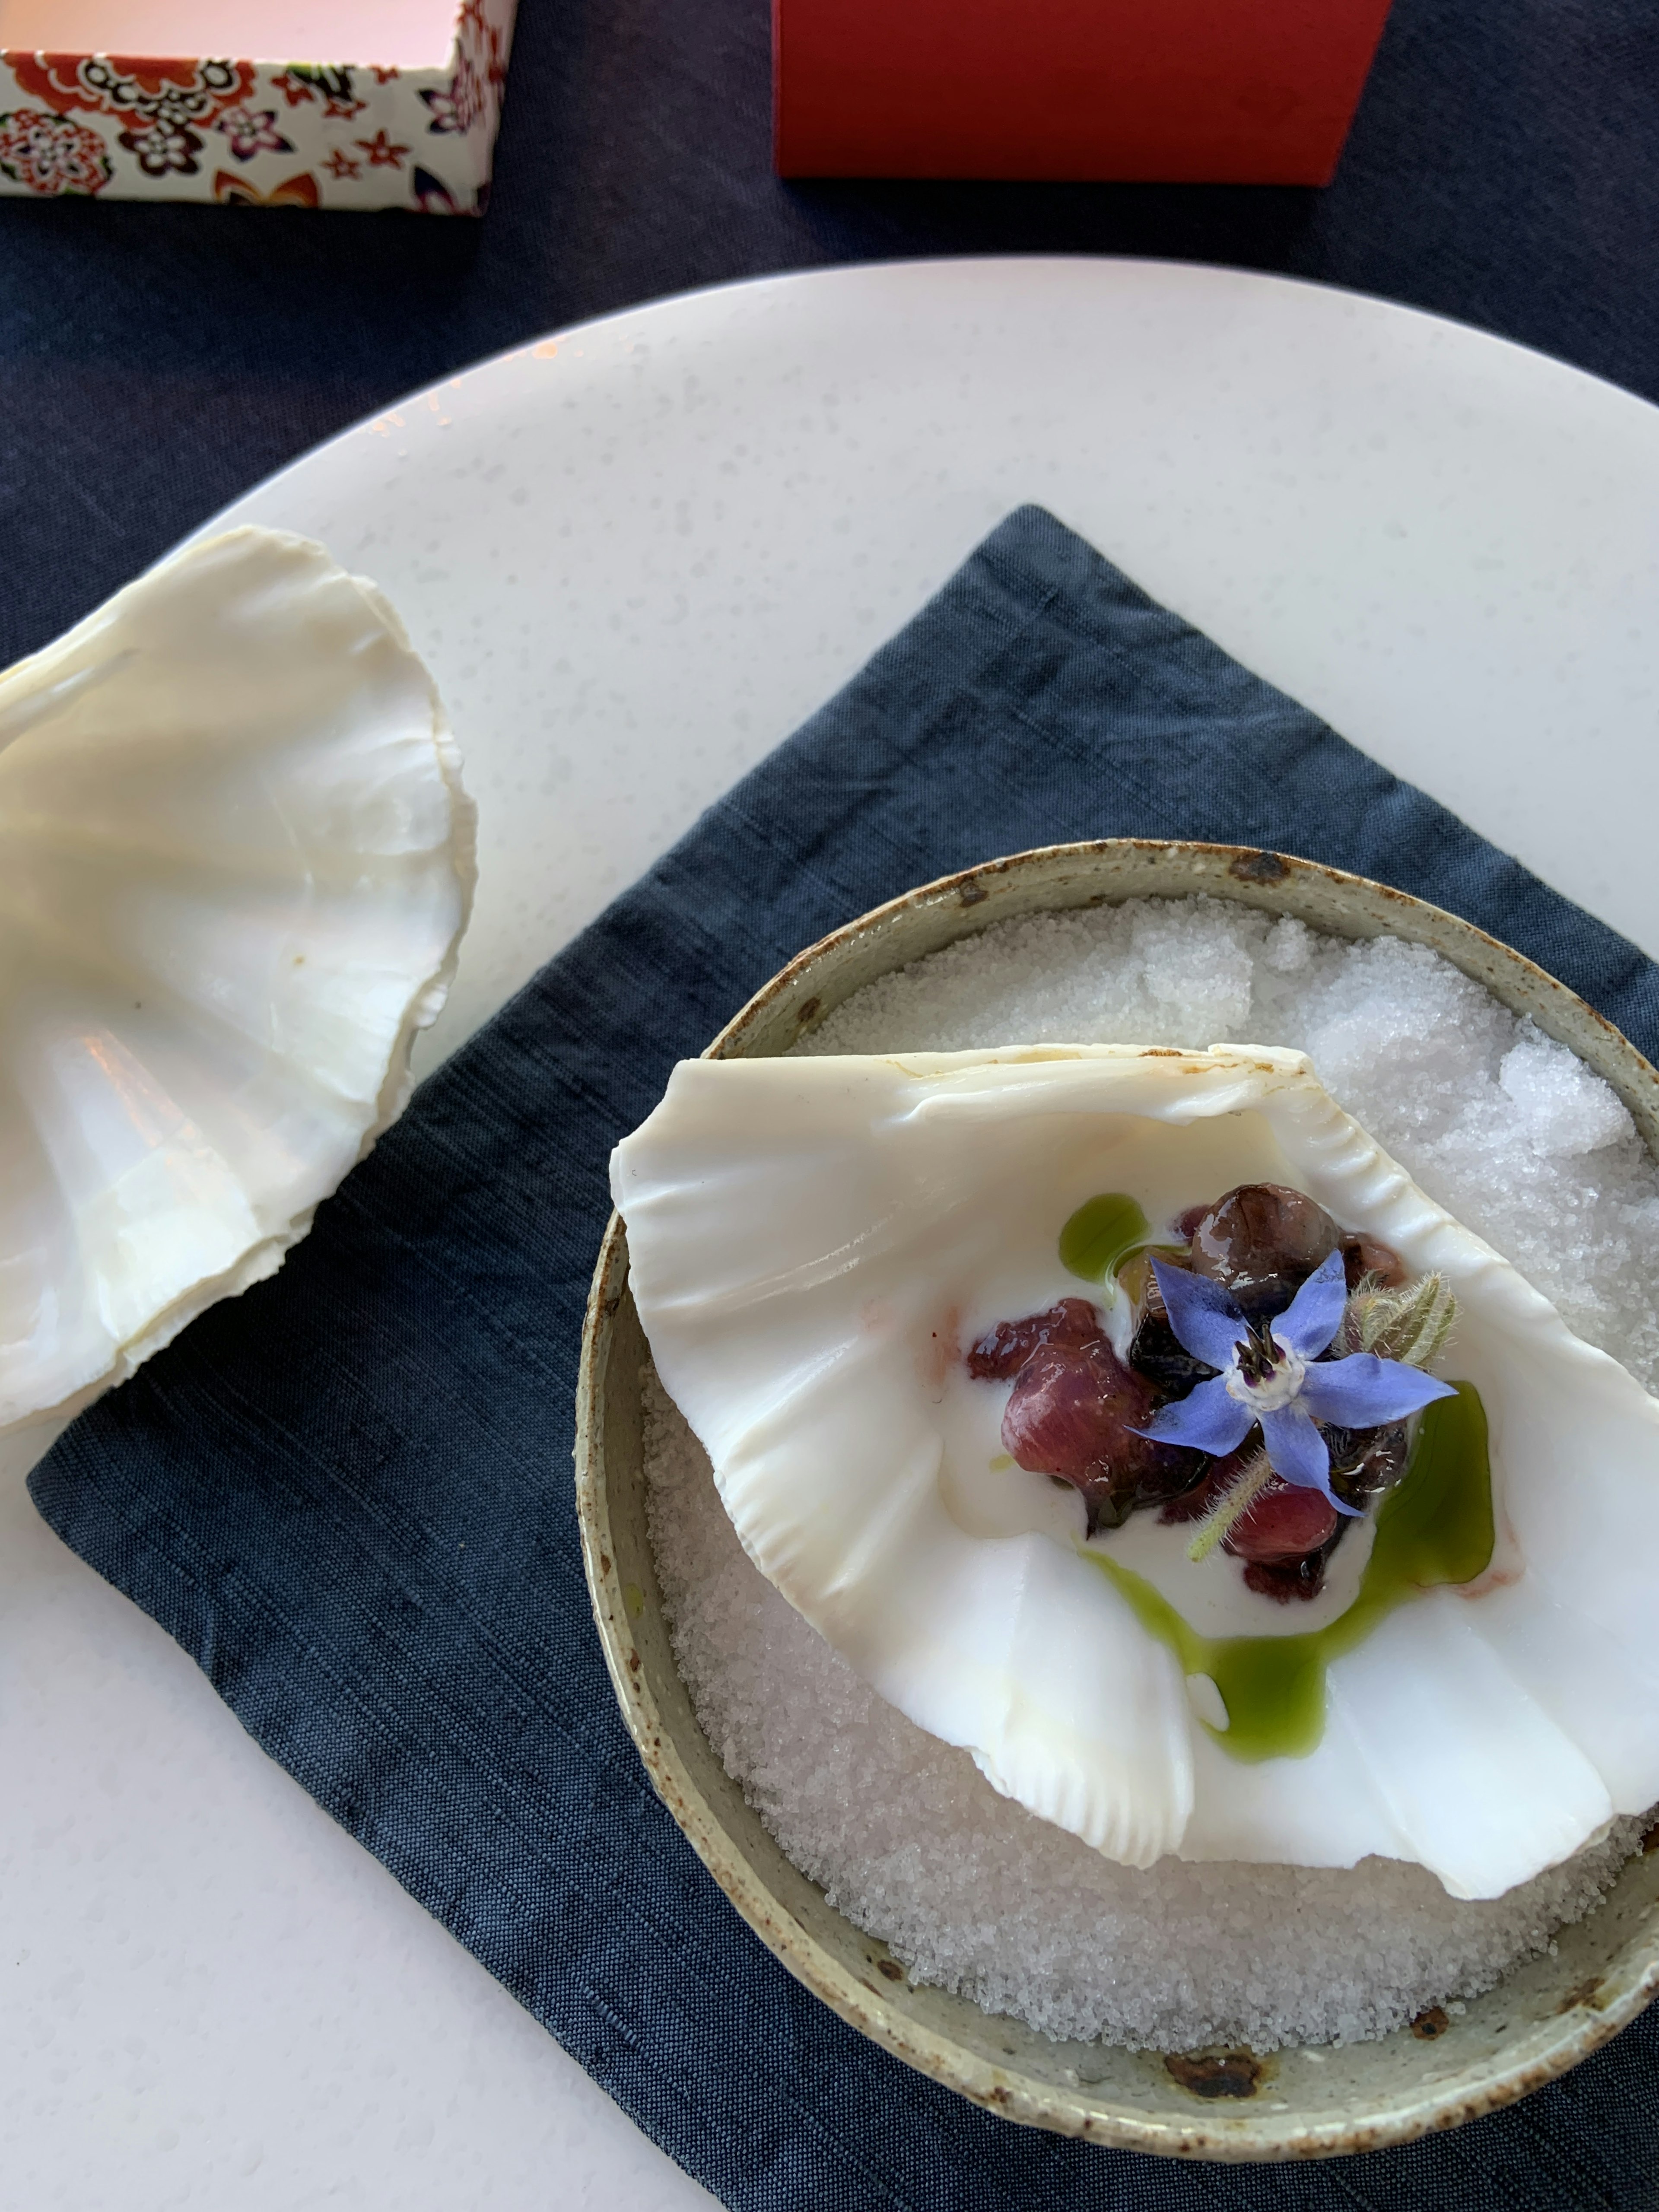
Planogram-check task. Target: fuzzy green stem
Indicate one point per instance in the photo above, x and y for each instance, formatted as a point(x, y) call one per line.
point(1237, 1500)
point(1410, 1325)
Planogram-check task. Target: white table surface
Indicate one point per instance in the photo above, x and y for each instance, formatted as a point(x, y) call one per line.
point(635, 556)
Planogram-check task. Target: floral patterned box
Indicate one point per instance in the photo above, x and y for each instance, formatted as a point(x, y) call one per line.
point(260, 133)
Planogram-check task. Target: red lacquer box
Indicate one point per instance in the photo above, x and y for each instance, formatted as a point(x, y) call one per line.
point(1168, 91)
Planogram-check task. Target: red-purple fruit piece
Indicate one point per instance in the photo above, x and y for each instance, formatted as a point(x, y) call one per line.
point(1072, 1413)
point(1261, 1242)
point(1284, 1538)
point(1281, 1526)
point(1363, 1255)
point(1005, 1350)
point(1218, 1478)
point(1303, 1579)
point(1272, 1536)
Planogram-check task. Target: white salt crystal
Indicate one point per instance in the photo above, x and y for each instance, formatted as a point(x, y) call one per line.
point(1289, 946)
point(971, 1892)
point(1564, 1108)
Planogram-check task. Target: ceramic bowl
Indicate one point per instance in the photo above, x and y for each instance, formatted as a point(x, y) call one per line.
point(1215, 2103)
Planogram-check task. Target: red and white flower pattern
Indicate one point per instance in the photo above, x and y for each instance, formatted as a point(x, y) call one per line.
point(162, 146)
point(179, 94)
point(306, 134)
point(253, 131)
point(47, 154)
point(303, 81)
point(457, 106)
point(381, 151)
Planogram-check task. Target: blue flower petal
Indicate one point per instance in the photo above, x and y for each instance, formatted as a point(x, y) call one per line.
point(1363, 1391)
point(1205, 1320)
point(1300, 1454)
point(1309, 1321)
point(1210, 1419)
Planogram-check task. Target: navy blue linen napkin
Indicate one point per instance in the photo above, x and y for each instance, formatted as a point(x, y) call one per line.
point(347, 1493)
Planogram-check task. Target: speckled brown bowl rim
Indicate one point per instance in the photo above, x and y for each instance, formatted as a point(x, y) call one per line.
point(1225, 2104)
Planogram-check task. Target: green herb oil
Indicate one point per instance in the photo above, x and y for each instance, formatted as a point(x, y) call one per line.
point(1103, 1233)
point(1435, 1528)
point(1100, 1235)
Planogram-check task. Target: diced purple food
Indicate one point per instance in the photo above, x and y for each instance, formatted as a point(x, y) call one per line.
point(1363, 1255)
point(1075, 1405)
point(1212, 1487)
point(1282, 1525)
point(1267, 1535)
point(1283, 1580)
point(1261, 1242)
point(1005, 1350)
point(1071, 1415)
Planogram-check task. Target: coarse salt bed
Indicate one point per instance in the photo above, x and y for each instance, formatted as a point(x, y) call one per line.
point(1509, 1132)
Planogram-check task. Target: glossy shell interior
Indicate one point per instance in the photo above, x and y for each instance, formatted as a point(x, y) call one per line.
point(1215, 2103)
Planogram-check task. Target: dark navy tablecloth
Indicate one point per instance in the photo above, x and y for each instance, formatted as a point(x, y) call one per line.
point(155, 361)
point(347, 1493)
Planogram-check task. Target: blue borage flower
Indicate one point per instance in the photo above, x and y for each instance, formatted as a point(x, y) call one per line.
point(1267, 1377)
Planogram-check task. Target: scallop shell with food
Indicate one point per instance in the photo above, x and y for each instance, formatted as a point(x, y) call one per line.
point(235, 863)
point(813, 1245)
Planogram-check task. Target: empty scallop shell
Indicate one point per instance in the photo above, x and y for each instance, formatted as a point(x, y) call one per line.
point(813, 1241)
point(235, 863)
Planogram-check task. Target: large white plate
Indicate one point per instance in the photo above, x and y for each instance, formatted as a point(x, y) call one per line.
point(637, 556)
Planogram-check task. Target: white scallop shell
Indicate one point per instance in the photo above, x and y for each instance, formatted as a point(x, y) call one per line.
point(235, 863)
point(810, 1242)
